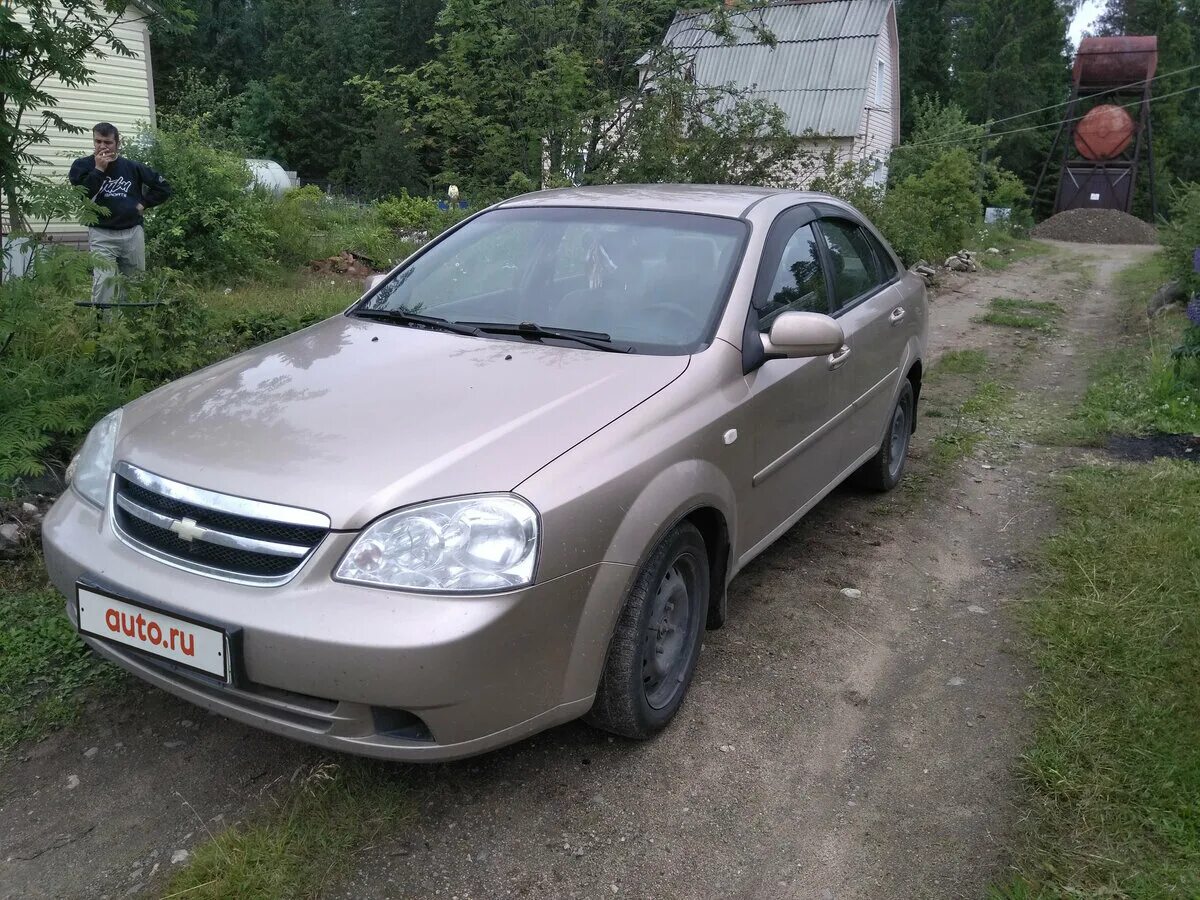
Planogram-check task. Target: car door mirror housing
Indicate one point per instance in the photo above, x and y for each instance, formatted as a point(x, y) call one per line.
point(795, 335)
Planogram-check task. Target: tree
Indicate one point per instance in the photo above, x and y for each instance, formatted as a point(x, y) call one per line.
point(228, 42)
point(1010, 57)
point(1176, 119)
point(280, 69)
point(44, 40)
point(682, 133)
point(558, 91)
point(923, 29)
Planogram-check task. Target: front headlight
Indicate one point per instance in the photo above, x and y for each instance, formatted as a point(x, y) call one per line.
point(469, 545)
point(89, 470)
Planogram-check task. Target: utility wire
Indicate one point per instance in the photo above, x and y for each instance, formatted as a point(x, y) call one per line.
point(1000, 134)
point(1124, 87)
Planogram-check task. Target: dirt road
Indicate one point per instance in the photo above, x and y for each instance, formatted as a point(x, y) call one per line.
point(831, 747)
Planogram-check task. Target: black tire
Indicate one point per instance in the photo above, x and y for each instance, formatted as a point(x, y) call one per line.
point(885, 469)
point(656, 642)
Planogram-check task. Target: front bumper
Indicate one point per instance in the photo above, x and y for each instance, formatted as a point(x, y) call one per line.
point(363, 670)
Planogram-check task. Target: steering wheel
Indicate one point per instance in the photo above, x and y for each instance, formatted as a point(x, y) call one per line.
point(677, 310)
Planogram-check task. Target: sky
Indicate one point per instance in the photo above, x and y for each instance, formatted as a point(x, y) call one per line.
point(1089, 11)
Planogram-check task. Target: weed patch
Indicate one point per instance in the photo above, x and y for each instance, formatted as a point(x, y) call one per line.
point(305, 845)
point(1012, 312)
point(961, 362)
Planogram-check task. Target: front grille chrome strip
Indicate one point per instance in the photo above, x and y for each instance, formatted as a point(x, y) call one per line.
point(238, 506)
point(211, 536)
point(173, 523)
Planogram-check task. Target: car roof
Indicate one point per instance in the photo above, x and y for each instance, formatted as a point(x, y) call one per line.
point(714, 199)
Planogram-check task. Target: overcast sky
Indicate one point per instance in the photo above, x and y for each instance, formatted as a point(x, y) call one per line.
point(1089, 11)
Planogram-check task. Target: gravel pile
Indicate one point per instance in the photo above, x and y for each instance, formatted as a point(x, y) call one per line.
point(1096, 226)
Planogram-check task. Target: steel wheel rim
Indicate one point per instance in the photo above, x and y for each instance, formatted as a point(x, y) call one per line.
point(898, 439)
point(666, 643)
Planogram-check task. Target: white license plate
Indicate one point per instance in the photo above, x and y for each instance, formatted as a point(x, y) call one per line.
point(179, 640)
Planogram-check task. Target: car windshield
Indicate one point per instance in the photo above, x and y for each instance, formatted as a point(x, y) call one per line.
point(647, 280)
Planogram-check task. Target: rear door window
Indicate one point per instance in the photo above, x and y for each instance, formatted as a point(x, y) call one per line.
point(855, 270)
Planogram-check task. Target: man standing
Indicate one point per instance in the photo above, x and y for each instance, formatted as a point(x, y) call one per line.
point(126, 189)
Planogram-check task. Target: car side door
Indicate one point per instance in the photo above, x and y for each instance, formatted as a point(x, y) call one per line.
point(868, 304)
point(788, 406)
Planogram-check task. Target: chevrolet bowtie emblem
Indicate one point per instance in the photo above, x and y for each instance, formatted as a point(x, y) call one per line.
point(187, 529)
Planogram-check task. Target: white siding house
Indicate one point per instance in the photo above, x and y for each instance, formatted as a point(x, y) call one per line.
point(122, 93)
point(833, 70)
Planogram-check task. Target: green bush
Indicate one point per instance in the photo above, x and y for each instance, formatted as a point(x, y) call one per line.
point(64, 367)
point(214, 226)
point(1181, 240)
point(1181, 236)
point(1006, 191)
point(934, 214)
point(407, 213)
point(937, 127)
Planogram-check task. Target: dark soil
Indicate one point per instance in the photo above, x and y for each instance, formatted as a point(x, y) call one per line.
point(1096, 226)
point(1144, 449)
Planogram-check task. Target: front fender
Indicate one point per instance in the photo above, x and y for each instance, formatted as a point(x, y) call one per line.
point(665, 500)
point(668, 498)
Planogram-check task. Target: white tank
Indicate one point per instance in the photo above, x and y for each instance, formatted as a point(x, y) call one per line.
point(269, 175)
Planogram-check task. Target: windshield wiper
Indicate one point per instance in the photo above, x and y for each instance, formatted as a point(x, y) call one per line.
point(597, 340)
point(408, 318)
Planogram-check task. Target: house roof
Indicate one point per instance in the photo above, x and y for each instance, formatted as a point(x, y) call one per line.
point(818, 71)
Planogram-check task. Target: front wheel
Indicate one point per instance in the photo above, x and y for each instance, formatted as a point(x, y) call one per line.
point(883, 471)
point(657, 639)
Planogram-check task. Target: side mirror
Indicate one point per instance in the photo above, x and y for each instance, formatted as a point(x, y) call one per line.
point(795, 335)
point(374, 280)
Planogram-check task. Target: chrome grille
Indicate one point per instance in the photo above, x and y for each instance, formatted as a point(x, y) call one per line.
point(219, 535)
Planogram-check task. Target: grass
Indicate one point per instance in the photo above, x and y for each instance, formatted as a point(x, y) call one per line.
point(45, 670)
point(1012, 249)
point(961, 362)
point(1115, 769)
point(1013, 312)
point(1134, 390)
point(305, 845)
point(1113, 775)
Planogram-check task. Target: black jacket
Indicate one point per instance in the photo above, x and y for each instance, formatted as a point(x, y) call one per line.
point(120, 189)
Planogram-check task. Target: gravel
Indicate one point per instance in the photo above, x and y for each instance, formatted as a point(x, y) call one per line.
point(1096, 226)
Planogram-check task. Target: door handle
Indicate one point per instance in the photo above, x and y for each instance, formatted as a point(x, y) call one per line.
point(837, 360)
point(897, 315)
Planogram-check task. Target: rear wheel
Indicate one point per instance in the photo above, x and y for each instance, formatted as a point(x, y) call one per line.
point(883, 471)
point(657, 639)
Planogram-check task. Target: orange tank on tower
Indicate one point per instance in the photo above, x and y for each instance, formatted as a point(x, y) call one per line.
point(1108, 119)
point(1104, 133)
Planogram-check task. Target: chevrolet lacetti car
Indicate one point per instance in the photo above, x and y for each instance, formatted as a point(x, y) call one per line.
point(509, 486)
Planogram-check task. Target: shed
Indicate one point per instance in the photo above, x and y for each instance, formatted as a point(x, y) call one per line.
point(834, 69)
point(122, 93)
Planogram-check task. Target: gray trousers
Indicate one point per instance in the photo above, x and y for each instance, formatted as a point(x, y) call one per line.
point(120, 250)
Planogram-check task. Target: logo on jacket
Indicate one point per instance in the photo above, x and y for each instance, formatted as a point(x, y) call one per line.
point(116, 187)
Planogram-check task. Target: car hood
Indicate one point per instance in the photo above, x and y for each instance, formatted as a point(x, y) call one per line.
point(355, 418)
